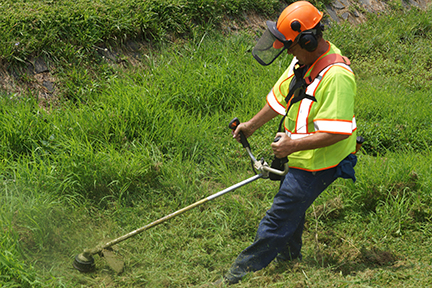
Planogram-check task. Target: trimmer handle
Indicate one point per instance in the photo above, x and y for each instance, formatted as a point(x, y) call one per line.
point(282, 160)
point(278, 165)
point(233, 125)
point(359, 143)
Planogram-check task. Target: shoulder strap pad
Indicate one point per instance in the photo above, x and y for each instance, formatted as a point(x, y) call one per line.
point(325, 62)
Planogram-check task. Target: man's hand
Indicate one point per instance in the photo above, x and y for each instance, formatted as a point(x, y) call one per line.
point(246, 128)
point(284, 147)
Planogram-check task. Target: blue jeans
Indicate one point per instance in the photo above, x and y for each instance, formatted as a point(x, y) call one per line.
point(280, 231)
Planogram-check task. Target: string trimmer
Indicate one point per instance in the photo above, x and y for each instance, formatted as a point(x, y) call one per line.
point(84, 262)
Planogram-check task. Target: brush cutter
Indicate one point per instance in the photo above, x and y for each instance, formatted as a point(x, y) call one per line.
point(84, 262)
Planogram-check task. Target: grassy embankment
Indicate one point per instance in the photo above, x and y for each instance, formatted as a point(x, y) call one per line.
point(153, 138)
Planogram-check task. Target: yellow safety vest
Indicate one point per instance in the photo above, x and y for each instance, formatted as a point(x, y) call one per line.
point(332, 112)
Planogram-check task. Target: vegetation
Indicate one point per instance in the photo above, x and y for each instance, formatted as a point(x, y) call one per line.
point(133, 143)
point(63, 28)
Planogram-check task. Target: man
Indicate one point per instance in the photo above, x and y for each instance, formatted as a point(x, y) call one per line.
point(319, 131)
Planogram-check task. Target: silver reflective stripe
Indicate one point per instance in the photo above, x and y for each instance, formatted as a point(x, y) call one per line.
point(301, 124)
point(296, 135)
point(310, 90)
point(271, 97)
point(335, 126)
point(274, 104)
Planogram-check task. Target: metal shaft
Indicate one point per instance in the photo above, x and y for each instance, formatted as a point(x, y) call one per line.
point(98, 249)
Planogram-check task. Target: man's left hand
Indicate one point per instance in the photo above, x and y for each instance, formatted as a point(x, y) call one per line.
point(284, 147)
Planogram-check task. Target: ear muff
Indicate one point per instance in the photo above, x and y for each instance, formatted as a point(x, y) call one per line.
point(307, 40)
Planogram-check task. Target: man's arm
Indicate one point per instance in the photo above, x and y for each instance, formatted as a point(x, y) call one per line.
point(286, 146)
point(249, 127)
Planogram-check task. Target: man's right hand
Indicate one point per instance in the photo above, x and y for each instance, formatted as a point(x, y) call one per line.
point(246, 128)
point(249, 127)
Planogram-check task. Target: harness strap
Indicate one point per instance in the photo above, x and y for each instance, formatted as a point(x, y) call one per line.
point(325, 62)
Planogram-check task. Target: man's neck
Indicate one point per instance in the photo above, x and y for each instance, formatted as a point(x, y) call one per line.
point(323, 47)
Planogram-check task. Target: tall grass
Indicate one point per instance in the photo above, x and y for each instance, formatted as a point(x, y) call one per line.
point(72, 37)
point(393, 72)
point(155, 139)
point(60, 29)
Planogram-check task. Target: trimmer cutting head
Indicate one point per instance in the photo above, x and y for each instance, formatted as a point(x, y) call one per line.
point(84, 263)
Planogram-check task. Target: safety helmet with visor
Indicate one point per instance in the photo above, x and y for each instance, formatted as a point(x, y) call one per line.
point(296, 23)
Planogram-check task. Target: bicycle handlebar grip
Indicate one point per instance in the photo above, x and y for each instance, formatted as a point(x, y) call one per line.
point(233, 125)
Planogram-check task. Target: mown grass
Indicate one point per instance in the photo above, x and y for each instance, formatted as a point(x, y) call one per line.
point(155, 139)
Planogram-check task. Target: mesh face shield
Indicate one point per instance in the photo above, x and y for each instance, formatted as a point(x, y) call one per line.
point(269, 47)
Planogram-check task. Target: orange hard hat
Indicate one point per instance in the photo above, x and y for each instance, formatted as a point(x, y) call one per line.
point(298, 20)
point(297, 17)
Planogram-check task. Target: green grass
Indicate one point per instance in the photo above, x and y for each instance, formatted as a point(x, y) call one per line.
point(139, 142)
point(60, 29)
point(71, 37)
point(393, 72)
